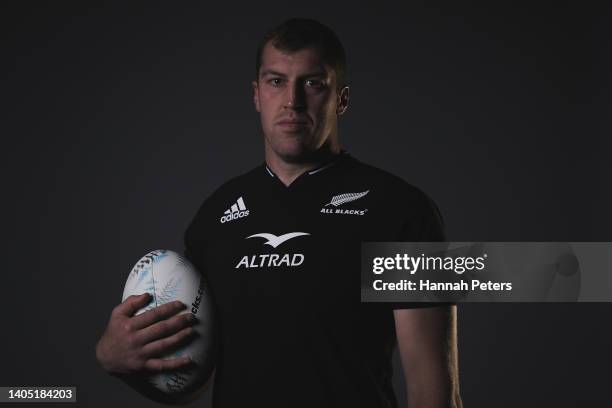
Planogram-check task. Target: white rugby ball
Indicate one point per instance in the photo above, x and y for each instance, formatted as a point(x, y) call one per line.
point(167, 276)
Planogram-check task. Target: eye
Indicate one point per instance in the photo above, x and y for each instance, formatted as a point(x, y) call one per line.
point(275, 81)
point(314, 83)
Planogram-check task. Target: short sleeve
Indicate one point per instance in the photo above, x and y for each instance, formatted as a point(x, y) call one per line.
point(195, 236)
point(425, 224)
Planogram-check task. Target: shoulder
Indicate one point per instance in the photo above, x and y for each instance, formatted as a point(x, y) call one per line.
point(233, 186)
point(237, 184)
point(391, 187)
point(407, 204)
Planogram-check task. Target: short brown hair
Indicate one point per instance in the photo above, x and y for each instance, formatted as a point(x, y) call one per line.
point(299, 33)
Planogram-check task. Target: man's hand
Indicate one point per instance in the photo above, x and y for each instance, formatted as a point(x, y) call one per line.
point(134, 344)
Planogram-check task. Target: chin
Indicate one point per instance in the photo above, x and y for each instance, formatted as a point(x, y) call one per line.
point(293, 155)
point(292, 148)
point(292, 152)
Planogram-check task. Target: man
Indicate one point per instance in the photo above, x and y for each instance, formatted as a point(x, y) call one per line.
point(280, 247)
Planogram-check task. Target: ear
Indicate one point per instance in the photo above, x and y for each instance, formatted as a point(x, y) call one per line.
point(256, 95)
point(343, 100)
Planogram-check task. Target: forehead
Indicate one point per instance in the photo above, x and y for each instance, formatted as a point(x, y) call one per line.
point(306, 60)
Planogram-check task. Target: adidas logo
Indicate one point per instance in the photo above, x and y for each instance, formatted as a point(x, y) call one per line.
point(237, 210)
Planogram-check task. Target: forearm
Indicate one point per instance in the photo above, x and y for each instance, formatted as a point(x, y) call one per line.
point(433, 389)
point(427, 341)
point(435, 383)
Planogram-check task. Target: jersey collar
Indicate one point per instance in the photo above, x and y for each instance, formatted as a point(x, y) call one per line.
point(319, 169)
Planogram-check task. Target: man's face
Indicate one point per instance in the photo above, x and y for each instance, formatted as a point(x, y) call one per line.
point(296, 97)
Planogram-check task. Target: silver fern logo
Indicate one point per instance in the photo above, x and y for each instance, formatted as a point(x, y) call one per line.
point(346, 198)
point(341, 199)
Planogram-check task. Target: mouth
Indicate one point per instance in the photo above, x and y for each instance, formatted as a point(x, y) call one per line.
point(292, 124)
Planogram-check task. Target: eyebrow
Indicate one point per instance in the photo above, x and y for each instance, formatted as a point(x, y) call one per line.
point(280, 74)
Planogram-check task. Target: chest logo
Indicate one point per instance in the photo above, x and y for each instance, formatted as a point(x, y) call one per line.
point(272, 259)
point(275, 241)
point(237, 210)
point(341, 199)
point(346, 198)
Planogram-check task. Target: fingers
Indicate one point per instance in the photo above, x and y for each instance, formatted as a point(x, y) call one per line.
point(132, 304)
point(158, 364)
point(162, 312)
point(165, 328)
point(132, 343)
point(167, 344)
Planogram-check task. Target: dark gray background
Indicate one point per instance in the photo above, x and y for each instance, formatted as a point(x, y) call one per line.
point(118, 122)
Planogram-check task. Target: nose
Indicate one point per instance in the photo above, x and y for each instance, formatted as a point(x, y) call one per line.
point(294, 98)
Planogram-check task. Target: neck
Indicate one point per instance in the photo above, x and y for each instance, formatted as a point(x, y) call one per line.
point(288, 170)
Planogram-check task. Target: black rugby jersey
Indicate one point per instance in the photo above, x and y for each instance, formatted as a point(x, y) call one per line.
point(283, 265)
